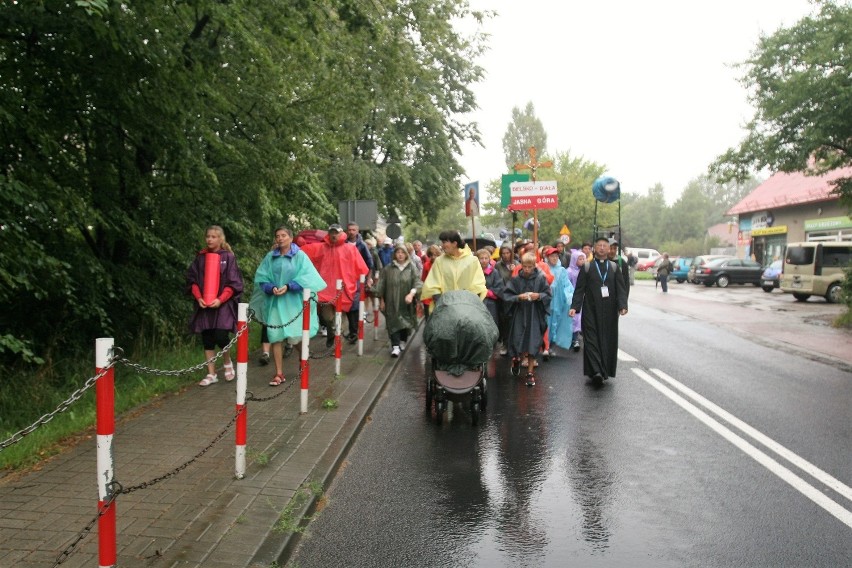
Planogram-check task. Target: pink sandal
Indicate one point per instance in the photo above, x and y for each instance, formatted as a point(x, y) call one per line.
point(277, 380)
point(229, 372)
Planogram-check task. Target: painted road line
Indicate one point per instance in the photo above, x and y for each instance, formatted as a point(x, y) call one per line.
point(799, 484)
point(788, 455)
point(622, 356)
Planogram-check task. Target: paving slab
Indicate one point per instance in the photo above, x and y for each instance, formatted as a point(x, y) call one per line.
point(202, 515)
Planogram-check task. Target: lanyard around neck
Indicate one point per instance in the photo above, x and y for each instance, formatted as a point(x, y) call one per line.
point(605, 272)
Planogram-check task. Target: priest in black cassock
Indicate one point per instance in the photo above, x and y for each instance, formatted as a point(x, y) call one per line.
point(601, 294)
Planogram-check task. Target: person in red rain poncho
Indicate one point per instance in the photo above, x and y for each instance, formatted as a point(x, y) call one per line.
point(335, 259)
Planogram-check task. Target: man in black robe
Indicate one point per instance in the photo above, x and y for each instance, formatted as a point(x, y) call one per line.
point(601, 294)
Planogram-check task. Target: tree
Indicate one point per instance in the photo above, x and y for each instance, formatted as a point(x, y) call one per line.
point(127, 128)
point(524, 130)
point(644, 217)
point(800, 82)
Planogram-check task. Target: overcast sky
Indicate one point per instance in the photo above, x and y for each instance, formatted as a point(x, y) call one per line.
point(646, 89)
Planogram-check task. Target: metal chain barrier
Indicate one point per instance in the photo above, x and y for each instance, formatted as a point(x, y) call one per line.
point(177, 372)
point(327, 353)
point(75, 396)
point(183, 466)
point(332, 302)
point(282, 325)
point(63, 556)
point(118, 357)
point(287, 386)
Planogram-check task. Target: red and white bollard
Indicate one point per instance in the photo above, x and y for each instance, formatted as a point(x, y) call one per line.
point(242, 386)
point(105, 397)
point(306, 346)
point(361, 311)
point(375, 319)
point(338, 307)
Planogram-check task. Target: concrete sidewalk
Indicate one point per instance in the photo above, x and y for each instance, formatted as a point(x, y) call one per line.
point(202, 515)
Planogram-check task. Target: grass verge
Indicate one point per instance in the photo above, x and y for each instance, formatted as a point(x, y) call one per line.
point(25, 398)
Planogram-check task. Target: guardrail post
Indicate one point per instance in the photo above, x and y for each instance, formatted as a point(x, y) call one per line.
point(242, 385)
point(338, 307)
point(105, 405)
point(375, 319)
point(306, 346)
point(361, 313)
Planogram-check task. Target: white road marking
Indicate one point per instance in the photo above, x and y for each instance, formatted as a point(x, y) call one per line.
point(809, 491)
point(622, 356)
point(788, 455)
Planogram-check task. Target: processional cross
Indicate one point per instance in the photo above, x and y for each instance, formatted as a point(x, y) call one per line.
point(533, 166)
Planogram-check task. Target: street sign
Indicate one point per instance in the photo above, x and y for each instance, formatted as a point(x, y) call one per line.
point(565, 231)
point(566, 239)
point(534, 195)
point(505, 189)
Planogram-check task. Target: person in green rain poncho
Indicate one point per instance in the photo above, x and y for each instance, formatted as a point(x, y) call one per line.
point(277, 299)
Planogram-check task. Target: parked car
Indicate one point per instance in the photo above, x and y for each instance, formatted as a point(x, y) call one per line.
point(680, 264)
point(681, 268)
point(771, 277)
point(724, 271)
point(699, 262)
point(645, 257)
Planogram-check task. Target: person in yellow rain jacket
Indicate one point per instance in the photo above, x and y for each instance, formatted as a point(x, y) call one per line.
point(456, 269)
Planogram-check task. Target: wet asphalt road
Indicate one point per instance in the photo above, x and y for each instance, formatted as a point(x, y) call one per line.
point(636, 473)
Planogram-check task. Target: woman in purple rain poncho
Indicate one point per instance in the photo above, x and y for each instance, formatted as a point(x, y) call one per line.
point(216, 318)
point(578, 259)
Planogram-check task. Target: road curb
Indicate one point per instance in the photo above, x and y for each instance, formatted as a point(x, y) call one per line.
point(277, 547)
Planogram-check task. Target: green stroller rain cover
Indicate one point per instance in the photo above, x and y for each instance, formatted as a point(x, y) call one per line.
point(460, 333)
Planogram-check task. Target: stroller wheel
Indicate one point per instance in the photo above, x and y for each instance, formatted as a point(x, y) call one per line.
point(430, 385)
point(484, 400)
point(440, 406)
point(516, 366)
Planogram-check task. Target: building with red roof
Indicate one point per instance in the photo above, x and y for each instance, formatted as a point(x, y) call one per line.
point(790, 207)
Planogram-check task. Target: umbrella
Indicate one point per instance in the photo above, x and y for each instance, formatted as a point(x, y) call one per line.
point(480, 242)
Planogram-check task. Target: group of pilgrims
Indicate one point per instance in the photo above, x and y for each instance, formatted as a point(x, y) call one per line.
point(539, 298)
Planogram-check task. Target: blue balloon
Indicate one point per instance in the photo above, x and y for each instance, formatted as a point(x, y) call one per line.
point(606, 189)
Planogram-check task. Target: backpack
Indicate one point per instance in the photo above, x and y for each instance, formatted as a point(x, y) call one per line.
point(612, 265)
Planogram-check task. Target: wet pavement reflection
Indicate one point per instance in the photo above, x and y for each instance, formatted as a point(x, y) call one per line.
point(527, 486)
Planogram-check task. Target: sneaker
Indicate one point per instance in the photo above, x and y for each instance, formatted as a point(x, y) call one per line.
point(352, 338)
point(264, 359)
point(503, 350)
point(530, 380)
point(395, 351)
point(545, 355)
point(329, 341)
point(323, 331)
point(402, 345)
point(576, 345)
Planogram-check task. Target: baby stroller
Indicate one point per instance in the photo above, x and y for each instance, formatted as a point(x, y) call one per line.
point(459, 336)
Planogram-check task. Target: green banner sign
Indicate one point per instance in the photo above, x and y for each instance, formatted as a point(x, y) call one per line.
point(506, 192)
point(828, 224)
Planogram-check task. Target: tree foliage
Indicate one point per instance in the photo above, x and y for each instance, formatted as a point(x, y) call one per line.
point(524, 130)
point(680, 228)
point(800, 83)
point(127, 128)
